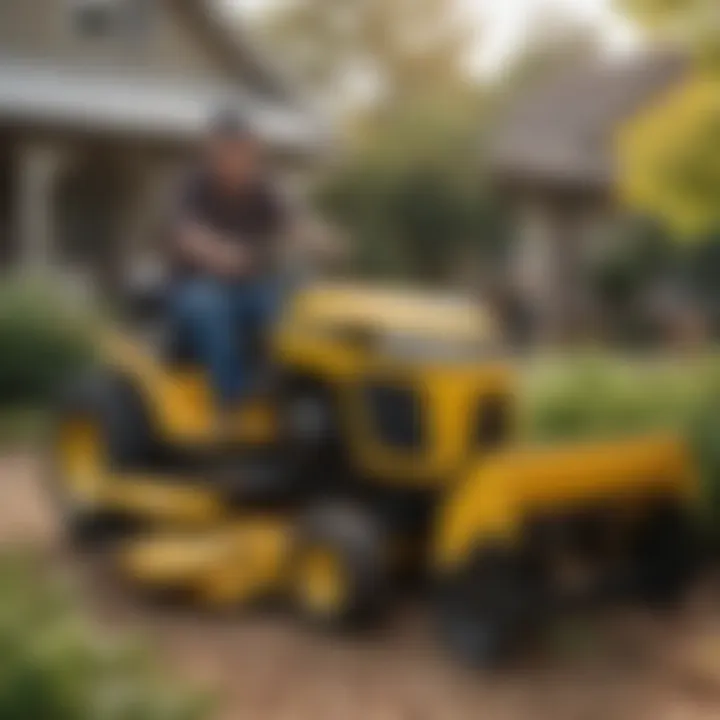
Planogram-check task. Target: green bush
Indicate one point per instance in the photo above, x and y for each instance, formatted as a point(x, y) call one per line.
point(593, 395)
point(599, 396)
point(54, 666)
point(42, 341)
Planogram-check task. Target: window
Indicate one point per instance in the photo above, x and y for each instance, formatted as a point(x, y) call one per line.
point(109, 19)
point(95, 19)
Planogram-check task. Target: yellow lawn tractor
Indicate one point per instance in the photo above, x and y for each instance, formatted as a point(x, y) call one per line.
point(378, 446)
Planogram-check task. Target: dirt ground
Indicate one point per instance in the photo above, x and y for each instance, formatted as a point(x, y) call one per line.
point(619, 665)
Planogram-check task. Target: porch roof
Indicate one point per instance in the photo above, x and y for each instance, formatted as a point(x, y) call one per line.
point(559, 133)
point(104, 101)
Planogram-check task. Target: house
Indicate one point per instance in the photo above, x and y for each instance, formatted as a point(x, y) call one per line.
point(554, 160)
point(100, 103)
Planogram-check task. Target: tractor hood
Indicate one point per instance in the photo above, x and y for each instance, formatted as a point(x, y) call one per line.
point(400, 310)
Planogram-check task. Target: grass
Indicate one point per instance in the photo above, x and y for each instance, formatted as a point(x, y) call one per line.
point(56, 664)
point(22, 427)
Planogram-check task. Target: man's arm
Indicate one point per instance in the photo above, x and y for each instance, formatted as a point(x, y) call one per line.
point(195, 242)
point(209, 250)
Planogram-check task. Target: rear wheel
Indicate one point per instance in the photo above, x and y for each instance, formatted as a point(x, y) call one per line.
point(101, 427)
point(666, 554)
point(338, 575)
point(310, 432)
point(486, 611)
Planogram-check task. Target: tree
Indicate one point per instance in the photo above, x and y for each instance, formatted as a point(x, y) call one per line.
point(669, 155)
point(408, 187)
point(413, 193)
point(670, 158)
point(558, 40)
point(372, 51)
point(412, 187)
point(694, 23)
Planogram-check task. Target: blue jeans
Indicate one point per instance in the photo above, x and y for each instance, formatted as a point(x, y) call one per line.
point(220, 318)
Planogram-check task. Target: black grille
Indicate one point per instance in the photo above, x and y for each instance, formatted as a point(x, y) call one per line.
point(493, 422)
point(395, 415)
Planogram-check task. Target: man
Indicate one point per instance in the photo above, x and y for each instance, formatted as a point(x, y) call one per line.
point(224, 244)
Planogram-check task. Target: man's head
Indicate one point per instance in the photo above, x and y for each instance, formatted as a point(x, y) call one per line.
point(234, 152)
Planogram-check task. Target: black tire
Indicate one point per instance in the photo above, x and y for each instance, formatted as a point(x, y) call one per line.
point(487, 611)
point(666, 555)
point(310, 418)
point(357, 542)
point(311, 435)
point(112, 404)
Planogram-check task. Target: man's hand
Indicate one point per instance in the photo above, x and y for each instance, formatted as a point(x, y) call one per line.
point(232, 260)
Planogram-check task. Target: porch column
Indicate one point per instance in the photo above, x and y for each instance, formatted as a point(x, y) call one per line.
point(549, 267)
point(37, 169)
point(532, 264)
point(140, 253)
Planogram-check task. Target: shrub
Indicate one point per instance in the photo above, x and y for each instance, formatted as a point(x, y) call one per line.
point(703, 431)
point(42, 341)
point(590, 396)
point(55, 667)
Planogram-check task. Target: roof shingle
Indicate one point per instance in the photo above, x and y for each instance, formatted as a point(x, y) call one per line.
point(560, 133)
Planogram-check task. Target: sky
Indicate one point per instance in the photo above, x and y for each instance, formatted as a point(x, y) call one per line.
point(505, 22)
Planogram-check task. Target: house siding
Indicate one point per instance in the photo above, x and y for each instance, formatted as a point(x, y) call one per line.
point(42, 30)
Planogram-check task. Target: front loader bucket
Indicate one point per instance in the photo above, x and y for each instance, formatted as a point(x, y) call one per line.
point(502, 493)
point(536, 531)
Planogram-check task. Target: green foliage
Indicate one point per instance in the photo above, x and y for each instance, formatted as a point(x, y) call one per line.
point(390, 49)
point(695, 23)
point(638, 258)
point(54, 666)
point(598, 396)
point(639, 252)
point(663, 11)
point(668, 158)
point(669, 155)
point(412, 189)
point(412, 192)
point(42, 342)
point(702, 269)
point(409, 191)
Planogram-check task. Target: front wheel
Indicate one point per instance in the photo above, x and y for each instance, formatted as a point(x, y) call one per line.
point(485, 612)
point(100, 428)
point(665, 554)
point(338, 572)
